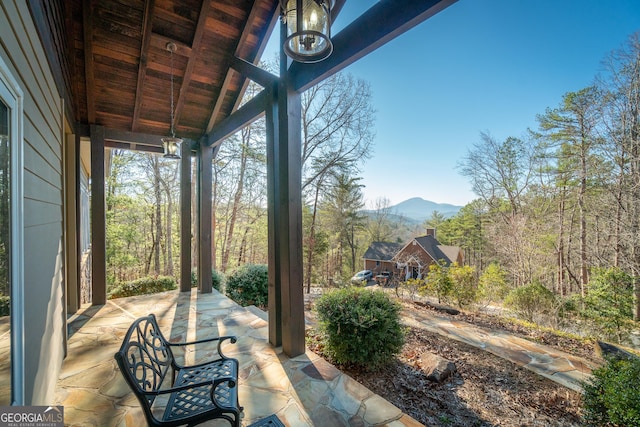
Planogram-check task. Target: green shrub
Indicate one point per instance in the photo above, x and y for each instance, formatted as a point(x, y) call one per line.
point(530, 300)
point(5, 305)
point(463, 284)
point(146, 285)
point(360, 327)
point(609, 302)
point(611, 396)
point(493, 286)
point(249, 285)
point(217, 280)
point(438, 282)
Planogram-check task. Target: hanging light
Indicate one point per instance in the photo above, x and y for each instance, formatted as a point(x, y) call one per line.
point(171, 144)
point(308, 29)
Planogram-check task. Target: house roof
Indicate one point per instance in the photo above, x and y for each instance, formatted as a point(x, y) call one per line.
point(432, 247)
point(450, 251)
point(382, 251)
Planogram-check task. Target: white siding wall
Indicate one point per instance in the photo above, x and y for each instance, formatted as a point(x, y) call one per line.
point(43, 197)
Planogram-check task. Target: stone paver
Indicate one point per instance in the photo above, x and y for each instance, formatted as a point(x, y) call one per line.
point(302, 391)
point(563, 368)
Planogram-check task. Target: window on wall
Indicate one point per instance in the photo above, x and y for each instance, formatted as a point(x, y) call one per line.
point(5, 254)
point(11, 246)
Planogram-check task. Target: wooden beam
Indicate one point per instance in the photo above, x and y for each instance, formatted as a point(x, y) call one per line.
point(185, 218)
point(72, 221)
point(98, 219)
point(191, 62)
point(205, 156)
point(246, 114)
point(117, 135)
point(147, 25)
point(134, 147)
point(288, 213)
point(246, 33)
point(90, 82)
point(384, 21)
point(257, 74)
point(273, 251)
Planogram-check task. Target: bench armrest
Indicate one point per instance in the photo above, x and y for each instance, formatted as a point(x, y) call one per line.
point(231, 338)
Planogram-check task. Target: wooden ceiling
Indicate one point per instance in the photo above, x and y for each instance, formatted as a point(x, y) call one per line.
point(120, 68)
point(112, 67)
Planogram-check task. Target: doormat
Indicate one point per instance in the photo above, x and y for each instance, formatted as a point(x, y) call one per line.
point(270, 421)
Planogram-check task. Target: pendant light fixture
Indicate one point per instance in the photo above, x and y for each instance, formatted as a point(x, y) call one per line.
point(308, 29)
point(171, 144)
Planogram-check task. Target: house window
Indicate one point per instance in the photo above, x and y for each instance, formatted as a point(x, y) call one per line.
point(11, 247)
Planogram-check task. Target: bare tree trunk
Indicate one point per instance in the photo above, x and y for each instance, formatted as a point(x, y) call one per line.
point(584, 278)
point(158, 215)
point(169, 264)
point(561, 267)
point(237, 199)
point(312, 236)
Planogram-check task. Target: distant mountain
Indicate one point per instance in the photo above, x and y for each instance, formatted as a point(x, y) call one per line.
point(419, 209)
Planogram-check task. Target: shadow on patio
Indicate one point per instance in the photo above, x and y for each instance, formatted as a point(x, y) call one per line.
point(303, 391)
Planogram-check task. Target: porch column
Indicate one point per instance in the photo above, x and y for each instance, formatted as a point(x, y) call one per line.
point(98, 219)
point(275, 290)
point(185, 217)
point(205, 156)
point(288, 210)
point(72, 223)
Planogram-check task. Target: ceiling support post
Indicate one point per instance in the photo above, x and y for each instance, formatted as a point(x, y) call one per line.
point(273, 251)
point(205, 156)
point(185, 217)
point(98, 219)
point(286, 203)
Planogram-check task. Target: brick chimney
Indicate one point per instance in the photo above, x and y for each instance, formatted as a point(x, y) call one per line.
point(431, 232)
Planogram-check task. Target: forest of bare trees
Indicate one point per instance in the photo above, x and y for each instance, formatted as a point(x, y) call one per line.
point(564, 199)
point(554, 204)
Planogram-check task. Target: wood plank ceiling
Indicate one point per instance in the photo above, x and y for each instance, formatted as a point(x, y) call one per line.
point(121, 68)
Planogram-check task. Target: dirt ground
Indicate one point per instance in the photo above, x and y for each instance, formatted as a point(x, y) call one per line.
point(486, 390)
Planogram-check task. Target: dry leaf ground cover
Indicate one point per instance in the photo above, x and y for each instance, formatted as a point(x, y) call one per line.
point(486, 390)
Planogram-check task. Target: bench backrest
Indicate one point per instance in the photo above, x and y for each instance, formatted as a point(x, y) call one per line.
point(144, 357)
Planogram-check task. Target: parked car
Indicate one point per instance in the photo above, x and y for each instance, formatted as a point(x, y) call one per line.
point(383, 279)
point(362, 275)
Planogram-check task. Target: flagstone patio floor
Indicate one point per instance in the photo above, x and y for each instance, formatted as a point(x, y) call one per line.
point(301, 391)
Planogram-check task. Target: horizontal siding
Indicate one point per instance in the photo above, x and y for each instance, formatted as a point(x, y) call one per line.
point(36, 188)
point(43, 233)
point(23, 44)
point(38, 213)
point(36, 163)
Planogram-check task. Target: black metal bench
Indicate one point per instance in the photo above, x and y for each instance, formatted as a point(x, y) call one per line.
point(192, 394)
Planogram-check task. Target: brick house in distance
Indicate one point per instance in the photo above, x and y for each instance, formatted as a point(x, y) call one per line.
point(413, 259)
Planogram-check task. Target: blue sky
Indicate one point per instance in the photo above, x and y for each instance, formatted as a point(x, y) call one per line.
point(479, 65)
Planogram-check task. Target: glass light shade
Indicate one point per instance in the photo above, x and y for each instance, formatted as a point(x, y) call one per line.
point(171, 146)
point(308, 30)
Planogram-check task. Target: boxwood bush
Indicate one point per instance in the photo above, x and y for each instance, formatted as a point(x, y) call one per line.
point(217, 279)
point(145, 285)
point(248, 285)
point(611, 397)
point(360, 327)
point(530, 300)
